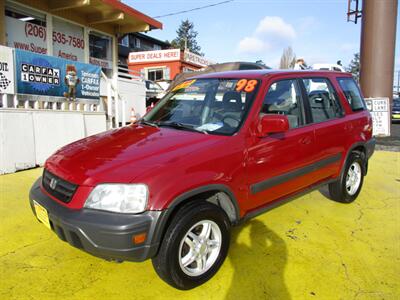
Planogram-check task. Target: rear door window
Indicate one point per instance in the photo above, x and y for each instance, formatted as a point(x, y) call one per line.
point(352, 93)
point(323, 100)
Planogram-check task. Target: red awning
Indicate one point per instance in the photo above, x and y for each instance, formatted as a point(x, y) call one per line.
point(133, 13)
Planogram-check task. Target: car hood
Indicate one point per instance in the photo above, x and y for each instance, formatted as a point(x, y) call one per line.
point(122, 155)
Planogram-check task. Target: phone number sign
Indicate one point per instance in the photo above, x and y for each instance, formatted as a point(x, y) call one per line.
point(68, 40)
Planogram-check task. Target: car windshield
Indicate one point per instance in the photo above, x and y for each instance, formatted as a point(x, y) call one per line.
point(215, 106)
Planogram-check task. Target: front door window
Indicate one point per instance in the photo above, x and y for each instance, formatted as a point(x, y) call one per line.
point(283, 98)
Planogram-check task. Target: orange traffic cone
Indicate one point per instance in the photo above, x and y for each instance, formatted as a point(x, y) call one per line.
point(133, 116)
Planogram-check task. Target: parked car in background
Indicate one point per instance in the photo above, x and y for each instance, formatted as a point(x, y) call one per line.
point(396, 110)
point(328, 67)
point(164, 84)
point(154, 92)
point(217, 150)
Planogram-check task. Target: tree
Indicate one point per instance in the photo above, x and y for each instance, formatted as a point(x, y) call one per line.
point(354, 66)
point(288, 59)
point(186, 38)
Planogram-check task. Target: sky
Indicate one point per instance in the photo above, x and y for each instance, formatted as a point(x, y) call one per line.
point(241, 30)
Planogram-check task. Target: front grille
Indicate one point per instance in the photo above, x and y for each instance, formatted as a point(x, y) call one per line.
point(57, 187)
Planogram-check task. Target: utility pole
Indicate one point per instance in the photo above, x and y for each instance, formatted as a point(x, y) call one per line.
point(2, 23)
point(378, 38)
point(398, 83)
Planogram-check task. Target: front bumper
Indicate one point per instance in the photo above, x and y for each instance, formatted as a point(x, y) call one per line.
point(103, 234)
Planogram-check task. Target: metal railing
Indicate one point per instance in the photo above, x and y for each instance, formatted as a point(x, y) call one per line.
point(110, 101)
point(22, 101)
point(126, 73)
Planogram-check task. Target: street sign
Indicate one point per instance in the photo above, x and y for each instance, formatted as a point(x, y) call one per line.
point(380, 112)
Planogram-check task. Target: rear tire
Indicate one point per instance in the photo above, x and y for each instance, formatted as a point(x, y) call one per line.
point(347, 188)
point(194, 247)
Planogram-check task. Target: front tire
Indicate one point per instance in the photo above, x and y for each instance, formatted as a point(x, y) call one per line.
point(194, 247)
point(347, 188)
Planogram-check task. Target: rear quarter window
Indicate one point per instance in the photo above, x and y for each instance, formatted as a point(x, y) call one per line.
point(352, 93)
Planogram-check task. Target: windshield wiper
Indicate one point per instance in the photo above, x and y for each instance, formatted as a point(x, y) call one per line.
point(182, 126)
point(143, 121)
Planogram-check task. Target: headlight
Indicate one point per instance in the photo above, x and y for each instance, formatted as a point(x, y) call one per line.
point(122, 198)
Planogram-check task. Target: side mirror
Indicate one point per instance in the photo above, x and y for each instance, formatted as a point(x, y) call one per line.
point(272, 124)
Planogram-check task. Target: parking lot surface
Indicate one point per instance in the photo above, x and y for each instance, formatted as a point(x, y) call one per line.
point(310, 248)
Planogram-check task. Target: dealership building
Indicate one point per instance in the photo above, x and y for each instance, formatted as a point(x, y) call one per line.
point(59, 74)
point(165, 64)
point(79, 30)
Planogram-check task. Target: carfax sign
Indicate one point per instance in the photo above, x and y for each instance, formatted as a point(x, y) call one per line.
point(52, 76)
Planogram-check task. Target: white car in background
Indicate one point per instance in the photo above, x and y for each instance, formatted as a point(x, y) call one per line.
point(328, 67)
point(164, 83)
point(154, 92)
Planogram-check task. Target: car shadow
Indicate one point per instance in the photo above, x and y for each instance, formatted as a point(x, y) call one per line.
point(258, 264)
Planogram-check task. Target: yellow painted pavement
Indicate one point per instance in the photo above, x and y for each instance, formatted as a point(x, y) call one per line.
point(310, 248)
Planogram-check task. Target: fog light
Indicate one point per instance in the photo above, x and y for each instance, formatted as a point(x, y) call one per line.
point(139, 238)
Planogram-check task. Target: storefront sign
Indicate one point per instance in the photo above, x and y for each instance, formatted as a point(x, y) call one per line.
point(154, 56)
point(380, 112)
point(195, 59)
point(68, 40)
point(6, 71)
point(102, 63)
point(53, 76)
point(26, 36)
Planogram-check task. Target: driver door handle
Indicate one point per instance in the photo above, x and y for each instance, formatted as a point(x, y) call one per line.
point(305, 140)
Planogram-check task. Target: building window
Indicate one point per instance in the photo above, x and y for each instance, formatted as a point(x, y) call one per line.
point(25, 29)
point(124, 41)
point(100, 51)
point(188, 70)
point(68, 40)
point(156, 47)
point(137, 43)
point(155, 74)
point(25, 15)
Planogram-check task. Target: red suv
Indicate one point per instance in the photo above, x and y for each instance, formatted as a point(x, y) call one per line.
point(217, 150)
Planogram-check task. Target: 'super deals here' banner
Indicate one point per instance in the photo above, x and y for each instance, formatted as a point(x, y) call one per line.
point(52, 76)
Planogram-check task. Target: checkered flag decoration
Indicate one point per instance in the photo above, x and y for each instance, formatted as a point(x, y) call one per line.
point(4, 82)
